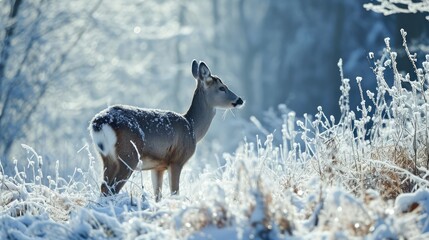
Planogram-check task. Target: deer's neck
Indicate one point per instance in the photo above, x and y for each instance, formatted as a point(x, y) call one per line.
point(200, 114)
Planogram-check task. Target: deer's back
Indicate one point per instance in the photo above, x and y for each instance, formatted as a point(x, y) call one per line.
point(158, 135)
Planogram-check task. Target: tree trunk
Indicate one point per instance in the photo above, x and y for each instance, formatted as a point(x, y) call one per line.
point(4, 55)
point(179, 62)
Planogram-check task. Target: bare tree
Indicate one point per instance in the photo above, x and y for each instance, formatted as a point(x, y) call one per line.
point(179, 58)
point(28, 65)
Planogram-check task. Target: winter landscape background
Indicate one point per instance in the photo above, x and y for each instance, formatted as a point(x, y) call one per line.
point(332, 141)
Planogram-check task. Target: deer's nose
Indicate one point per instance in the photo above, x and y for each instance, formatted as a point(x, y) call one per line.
point(238, 102)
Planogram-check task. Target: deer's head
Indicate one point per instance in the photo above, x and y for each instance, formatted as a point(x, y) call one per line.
point(216, 92)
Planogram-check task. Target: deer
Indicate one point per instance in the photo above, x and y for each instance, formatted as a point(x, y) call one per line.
point(129, 138)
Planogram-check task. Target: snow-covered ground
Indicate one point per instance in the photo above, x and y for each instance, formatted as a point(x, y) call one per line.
point(245, 200)
point(256, 195)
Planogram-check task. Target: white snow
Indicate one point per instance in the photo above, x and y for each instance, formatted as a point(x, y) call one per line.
point(420, 199)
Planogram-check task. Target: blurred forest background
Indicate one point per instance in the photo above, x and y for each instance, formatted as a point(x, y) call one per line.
point(61, 62)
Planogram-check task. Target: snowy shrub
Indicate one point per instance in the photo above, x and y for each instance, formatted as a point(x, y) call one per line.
point(380, 146)
point(30, 192)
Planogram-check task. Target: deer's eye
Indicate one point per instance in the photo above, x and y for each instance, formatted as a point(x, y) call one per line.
point(223, 89)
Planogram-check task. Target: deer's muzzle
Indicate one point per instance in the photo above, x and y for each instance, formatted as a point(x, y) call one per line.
point(237, 103)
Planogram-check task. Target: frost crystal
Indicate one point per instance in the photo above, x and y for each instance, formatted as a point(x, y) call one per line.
point(387, 62)
point(359, 79)
point(370, 94)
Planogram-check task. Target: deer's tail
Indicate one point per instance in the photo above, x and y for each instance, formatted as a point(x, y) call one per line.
point(103, 136)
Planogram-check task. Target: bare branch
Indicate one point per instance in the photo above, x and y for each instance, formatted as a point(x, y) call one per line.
point(389, 7)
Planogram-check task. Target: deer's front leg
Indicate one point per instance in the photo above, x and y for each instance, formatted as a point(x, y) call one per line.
point(157, 176)
point(174, 176)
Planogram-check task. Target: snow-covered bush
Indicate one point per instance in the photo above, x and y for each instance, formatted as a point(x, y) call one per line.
point(382, 145)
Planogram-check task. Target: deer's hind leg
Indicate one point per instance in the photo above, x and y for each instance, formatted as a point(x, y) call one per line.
point(127, 163)
point(110, 169)
point(118, 169)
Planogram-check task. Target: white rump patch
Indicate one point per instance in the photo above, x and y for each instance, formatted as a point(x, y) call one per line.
point(105, 140)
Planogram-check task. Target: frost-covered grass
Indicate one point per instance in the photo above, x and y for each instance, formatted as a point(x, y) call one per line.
point(363, 175)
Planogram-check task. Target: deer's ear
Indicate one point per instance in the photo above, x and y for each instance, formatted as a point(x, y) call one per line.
point(203, 71)
point(195, 69)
